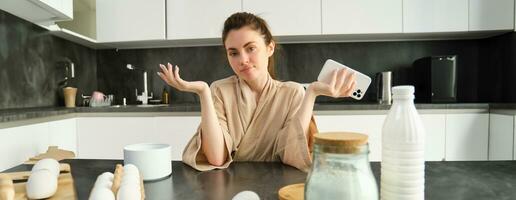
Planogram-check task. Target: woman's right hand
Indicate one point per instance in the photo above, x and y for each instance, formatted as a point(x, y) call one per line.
point(171, 76)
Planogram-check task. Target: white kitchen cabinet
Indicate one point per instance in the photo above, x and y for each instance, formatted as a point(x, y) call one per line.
point(370, 125)
point(106, 137)
point(435, 130)
point(18, 144)
point(288, 17)
point(467, 136)
point(435, 16)
point(361, 16)
point(63, 133)
point(188, 20)
point(487, 15)
point(177, 131)
point(63, 6)
point(130, 20)
point(39, 11)
point(501, 133)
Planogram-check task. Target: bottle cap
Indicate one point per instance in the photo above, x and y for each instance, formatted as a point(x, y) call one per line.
point(403, 90)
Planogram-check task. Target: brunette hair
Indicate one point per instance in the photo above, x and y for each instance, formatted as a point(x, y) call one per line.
point(242, 19)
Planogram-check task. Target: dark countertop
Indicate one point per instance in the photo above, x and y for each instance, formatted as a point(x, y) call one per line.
point(10, 115)
point(443, 180)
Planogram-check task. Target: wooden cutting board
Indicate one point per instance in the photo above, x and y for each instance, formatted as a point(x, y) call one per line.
point(65, 185)
point(292, 192)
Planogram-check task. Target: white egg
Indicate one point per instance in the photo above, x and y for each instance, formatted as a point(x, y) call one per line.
point(128, 192)
point(131, 169)
point(106, 176)
point(49, 164)
point(103, 183)
point(102, 194)
point(41, 184)
point(246, 195)
point(130, 181)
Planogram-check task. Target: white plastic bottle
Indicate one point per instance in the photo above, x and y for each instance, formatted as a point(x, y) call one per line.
point(403, 145)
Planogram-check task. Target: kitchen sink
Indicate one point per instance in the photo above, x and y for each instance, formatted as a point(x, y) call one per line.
point(152, 105)
point(141, 106)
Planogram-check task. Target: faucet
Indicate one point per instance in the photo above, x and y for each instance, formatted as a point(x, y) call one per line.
point(70, 70)
point(144, 97)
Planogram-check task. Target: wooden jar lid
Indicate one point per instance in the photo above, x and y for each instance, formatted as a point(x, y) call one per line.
point(340, 142)
point(292, 192)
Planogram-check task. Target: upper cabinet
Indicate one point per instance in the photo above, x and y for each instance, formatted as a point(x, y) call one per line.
point(188, 20)
point(424, 16)
point(39, 11)
point(130, 20)
point(487, 15)
point(288, 17)
point(361, 16)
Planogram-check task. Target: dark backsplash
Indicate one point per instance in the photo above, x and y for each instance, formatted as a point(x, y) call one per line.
point(294, 62)
point(30, 68)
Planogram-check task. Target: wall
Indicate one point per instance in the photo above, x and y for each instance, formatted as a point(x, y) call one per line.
point(30, 69)
point(295, 62)
point(497, 74)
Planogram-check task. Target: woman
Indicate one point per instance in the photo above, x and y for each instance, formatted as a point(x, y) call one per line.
point(250, 116)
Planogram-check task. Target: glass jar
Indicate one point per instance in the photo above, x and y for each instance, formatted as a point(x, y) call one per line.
point(341, 168)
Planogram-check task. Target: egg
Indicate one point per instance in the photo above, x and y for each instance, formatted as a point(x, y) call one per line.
point(49, 164)
point(128, 192)
point(130, 178)
point(103, 183)
point(131, 169)
point(101, 194)
point(41, 184)
point(106, 176)
point(246, 195)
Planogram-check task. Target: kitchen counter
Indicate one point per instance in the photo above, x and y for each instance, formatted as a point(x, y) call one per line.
point(38, 114)
point(444, 180)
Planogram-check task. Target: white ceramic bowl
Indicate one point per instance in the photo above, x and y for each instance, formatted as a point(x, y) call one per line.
point(154, 161)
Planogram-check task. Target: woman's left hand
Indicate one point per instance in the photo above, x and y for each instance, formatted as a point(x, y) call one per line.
point(341, 83)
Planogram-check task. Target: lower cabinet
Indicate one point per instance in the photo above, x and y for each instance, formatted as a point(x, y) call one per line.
point(435, 131)
point(370, 125)
point(467, 136)
point(501, 137)
point(105, 137)
point(18, 144)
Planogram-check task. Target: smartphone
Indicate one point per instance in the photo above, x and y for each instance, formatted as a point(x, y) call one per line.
point(362, 81)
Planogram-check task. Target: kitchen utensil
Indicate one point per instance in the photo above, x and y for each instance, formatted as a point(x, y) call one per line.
point(65, 183)
point(153, 160)
point(69, 96)
point(292, 192)
point(383, 87)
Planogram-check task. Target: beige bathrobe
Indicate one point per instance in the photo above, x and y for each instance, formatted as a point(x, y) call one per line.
point(256, 131)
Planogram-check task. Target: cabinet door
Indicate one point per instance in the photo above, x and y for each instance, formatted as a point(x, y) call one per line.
point(361, 16)
point(366, 124)
point(106, 137)
point(435, 16)
point(501, 129)
point(491, 15)
point(63, 133)
point(130, 20)
point(188, 20)
point(466, 136)
point(435, 130)
point(60, 6)
point(288, 17)
point(18, 144)
point(177, 131)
